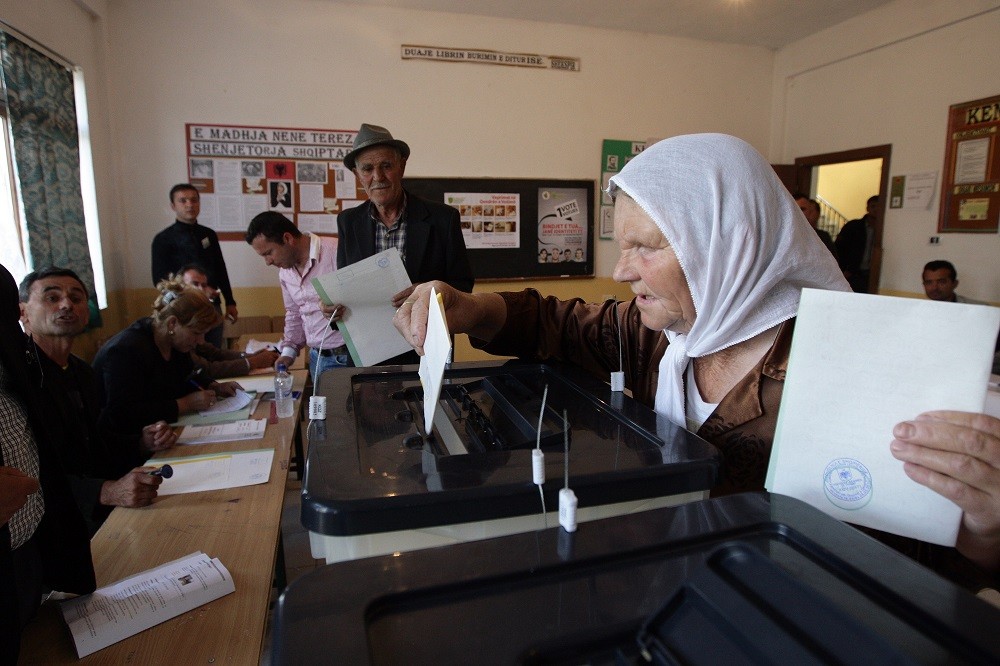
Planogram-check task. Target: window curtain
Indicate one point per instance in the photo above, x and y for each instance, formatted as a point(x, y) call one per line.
point(42, 111)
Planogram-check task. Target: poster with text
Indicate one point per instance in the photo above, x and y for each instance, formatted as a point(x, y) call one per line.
point(489, 220)
point(562, 225)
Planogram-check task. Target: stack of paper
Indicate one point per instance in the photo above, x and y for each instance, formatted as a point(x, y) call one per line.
point(859, 365)
point(223, 432)
point(216, 471)
point(125, 608)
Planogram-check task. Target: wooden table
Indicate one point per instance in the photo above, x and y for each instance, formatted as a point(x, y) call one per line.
point(240, 526)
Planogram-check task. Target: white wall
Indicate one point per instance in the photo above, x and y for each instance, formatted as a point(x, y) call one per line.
point(889, 76)
point(321, 64)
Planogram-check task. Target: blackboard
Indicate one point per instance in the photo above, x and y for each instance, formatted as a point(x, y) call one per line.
point(526, 216)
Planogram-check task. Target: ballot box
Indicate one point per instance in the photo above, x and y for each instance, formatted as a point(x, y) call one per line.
point(750, 578)
point(375, 483)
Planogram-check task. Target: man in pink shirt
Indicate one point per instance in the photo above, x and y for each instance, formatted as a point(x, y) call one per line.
point(300, 257)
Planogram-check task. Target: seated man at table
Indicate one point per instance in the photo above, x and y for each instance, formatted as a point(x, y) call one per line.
point(43, 539)
point(54, 312)
point(219, 363)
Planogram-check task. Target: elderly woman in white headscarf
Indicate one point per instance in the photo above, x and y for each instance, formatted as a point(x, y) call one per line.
point(717, 253)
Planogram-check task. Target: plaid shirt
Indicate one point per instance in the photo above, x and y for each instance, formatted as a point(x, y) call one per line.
point(394, 236)
point(21, 452)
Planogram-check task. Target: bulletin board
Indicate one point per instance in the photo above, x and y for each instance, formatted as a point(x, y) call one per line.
point(520, 228)
point(970, 182)
point(242, 170)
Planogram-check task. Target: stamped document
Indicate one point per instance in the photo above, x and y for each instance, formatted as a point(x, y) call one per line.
point(215, 471)
point(859, 365)
point(367, 288)
point(223, 432)
point(125, 608)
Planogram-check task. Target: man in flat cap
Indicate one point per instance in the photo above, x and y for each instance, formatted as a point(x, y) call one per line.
point(426, 233)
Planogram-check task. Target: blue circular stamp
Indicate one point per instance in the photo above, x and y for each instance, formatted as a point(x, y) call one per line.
point(382, 262)
point(847, 484)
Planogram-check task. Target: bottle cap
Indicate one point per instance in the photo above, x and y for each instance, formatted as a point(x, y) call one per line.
point(282, 367)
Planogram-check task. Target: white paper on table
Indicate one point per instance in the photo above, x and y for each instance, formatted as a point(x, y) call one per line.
point(215, 471)
point(255, 383)
point(125, 608)
point(367, 288)
point(437, 351)
point(860, 364)
point(233, 403)
point(223, 432)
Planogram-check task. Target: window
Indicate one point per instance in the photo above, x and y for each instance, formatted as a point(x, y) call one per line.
point(46, 218)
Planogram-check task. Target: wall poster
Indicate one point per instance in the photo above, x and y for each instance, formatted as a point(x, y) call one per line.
point(970, 181)
point(614, 155)
point(241, 171)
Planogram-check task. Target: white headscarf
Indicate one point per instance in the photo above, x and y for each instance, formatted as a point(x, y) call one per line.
point(744, 246)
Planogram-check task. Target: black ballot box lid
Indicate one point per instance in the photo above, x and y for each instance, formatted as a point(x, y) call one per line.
point(753, 577)
point(369, 469)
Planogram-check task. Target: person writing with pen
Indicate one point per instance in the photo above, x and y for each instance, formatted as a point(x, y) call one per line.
point(146, 372)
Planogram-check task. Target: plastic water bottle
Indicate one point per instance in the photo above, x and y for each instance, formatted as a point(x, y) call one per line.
point(283, 400)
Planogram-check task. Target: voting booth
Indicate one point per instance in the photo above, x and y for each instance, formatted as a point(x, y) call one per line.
point(375, 484)
point(751, 578)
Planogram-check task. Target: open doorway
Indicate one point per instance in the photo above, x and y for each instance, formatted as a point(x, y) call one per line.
point(845, 180)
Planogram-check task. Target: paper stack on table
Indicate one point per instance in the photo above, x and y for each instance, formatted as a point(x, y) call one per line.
point(125, 608)
point(859, 365)
point(215, 471)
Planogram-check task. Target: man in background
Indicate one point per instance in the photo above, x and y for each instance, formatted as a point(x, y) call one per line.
point(54, 312)
point(427, 234)
point(940, 281)
point(854, 244)
point(219, 363)
point(810, 208)
point(43, 538)
point(186, 242)
point(300, 258)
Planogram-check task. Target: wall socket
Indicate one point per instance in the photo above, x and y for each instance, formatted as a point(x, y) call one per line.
point(935, 240)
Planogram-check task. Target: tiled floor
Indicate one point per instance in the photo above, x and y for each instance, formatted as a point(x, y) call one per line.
point(298, 559)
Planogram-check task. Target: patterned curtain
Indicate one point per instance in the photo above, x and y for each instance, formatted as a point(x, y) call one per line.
point(42, 111)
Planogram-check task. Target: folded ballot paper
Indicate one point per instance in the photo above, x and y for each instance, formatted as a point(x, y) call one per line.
point(125, 608)
point(859, 365)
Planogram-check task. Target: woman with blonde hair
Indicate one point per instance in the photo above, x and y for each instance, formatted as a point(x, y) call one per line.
point(146, 372)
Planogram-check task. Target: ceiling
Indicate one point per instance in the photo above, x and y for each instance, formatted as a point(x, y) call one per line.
point(767, 23)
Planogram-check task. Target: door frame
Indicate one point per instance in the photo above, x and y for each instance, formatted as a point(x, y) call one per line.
point(803, 178)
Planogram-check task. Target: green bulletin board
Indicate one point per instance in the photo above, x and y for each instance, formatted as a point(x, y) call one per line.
point(615, 154)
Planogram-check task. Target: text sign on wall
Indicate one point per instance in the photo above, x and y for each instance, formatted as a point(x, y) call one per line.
point(241, 171)
point(970, 182)
point(485, 57)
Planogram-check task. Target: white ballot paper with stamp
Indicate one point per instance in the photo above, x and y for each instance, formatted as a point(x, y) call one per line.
point(125, 608)
point(367, 288)
point(860, 364)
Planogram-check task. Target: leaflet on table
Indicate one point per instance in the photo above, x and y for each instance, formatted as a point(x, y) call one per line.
point(437, 351)
point(367, 288)
point(859, 364)
point(215, 471)
point(223, 432)
point(125, 608)
point(233, 403)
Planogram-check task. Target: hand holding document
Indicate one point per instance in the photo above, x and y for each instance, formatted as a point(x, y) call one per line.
point(860, 364)
point(437, 350)
point(367, 288)
point(125, 608)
